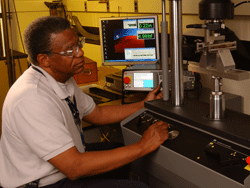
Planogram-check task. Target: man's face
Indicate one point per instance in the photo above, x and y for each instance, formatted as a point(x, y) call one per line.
point(63, 67)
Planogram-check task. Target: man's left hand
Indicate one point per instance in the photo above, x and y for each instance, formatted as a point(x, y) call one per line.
point(153, 94)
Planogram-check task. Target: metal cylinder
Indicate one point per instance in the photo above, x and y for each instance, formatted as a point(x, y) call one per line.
point(175, 12)
point(217, 106)
point(216, 9)
point(164, 54)
point(217, 100)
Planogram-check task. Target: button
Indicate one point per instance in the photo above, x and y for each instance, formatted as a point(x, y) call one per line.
point(126, 80)
point(248, 160)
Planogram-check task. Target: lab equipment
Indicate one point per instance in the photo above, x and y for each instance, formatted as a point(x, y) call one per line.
point(147, 80)
point(208, 148)
point(216, 59)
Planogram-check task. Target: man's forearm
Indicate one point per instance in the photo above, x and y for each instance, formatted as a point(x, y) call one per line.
point(75, 165)
point(112, 114)
point(123, 111)
point(104, 161)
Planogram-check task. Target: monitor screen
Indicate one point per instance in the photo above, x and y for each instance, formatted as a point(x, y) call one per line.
point(129, 40)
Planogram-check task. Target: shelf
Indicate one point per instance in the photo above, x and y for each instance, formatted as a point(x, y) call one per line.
point(16, 55)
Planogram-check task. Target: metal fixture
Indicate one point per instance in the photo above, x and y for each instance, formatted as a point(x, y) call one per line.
point(217, 100)
point(56, 8)
point(216, 59)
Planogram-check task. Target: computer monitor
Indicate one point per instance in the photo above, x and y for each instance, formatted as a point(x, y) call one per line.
point(129, 40)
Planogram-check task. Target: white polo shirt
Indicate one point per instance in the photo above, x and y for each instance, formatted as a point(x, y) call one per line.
point(37, 125)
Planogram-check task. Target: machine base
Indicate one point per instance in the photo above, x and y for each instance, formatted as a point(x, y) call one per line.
point(190, 158)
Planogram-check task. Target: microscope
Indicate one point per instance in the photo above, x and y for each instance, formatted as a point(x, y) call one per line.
point(216, 58)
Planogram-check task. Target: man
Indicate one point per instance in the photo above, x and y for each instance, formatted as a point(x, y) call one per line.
point(42, 137)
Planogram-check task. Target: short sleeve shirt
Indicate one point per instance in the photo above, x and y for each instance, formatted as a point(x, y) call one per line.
point(37, 125)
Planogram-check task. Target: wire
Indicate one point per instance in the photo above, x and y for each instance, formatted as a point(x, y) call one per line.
point(106, 135)
point(243, 2)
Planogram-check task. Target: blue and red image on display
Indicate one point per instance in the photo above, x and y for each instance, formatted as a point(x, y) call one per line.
point(127, 38)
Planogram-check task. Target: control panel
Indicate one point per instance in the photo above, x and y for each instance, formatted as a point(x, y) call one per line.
point(147, 80)
point(211, 154)
point(145, 119)
point(142, 80)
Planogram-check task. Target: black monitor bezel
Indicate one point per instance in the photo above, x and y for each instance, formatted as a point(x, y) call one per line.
point(128, 63)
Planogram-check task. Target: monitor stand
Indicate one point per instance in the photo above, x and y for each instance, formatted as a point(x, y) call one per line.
point(118, 74)
point(143, 66)
point(138, 67)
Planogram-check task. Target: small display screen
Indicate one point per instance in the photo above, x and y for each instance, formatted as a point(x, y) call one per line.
point(146, 25)
point(146, 36)
point(143, 80)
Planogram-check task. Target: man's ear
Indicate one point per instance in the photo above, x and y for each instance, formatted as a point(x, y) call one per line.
point(43, 60)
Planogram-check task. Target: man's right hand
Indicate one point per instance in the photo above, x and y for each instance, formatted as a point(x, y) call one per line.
point(74, 164)
point(154, 136)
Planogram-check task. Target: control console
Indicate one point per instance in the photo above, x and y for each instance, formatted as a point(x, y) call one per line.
point(141, 80)
point(146, 119)
point(198, 153)
point(147, 80)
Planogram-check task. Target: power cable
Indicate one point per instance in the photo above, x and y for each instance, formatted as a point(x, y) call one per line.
point(243, 2)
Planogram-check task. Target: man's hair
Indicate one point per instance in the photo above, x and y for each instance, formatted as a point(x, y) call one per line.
point(38, 35)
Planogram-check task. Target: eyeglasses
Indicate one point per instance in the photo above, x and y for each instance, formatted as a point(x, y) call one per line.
point(75, 50)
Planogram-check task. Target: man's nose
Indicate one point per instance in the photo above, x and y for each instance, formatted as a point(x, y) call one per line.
point(80, 52)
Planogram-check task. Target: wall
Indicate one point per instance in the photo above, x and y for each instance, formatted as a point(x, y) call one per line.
point(89, 12)
point(22, 13)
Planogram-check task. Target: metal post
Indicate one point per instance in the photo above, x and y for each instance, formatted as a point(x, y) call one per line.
point(7, 54)
point(175, 11)
point(164, 54)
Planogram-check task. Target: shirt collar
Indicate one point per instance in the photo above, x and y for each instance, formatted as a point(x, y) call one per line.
point(59, 88)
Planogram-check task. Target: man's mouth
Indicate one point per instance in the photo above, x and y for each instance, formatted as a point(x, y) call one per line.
point(80, 64)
